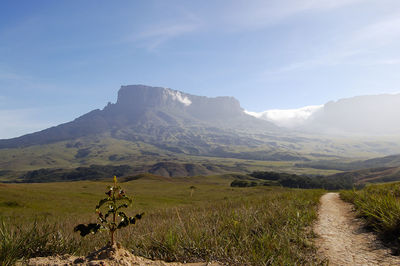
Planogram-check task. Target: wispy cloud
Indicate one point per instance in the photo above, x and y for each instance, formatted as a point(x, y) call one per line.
point(21, 81)
point(2, 99)
point(6, 74)
point(154, 35)
point(381, 33)
point(353, 48)
point(157, 35)
point(260, 13)
point(18, 122)
point(335, 57)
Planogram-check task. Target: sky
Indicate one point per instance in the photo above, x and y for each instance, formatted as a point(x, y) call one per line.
point(61, 59)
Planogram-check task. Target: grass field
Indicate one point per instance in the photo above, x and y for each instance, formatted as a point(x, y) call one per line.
point(238, 226)
point(379, 204)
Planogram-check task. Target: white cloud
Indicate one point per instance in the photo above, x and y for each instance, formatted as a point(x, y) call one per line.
point(380, 33)
point(287, 117)
point(177, 96)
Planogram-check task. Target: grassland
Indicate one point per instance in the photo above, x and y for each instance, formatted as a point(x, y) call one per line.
point(106, 150)
point(238, 226)
point(379, 205)
point(141, 157)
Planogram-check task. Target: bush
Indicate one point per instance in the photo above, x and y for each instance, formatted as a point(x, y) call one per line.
point(243, 183)
point(302, 181)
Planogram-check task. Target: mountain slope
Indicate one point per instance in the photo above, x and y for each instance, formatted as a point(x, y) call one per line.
point(372, 175)
point(387, 161)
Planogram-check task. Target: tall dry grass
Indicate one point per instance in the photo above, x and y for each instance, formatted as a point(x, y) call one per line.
point(379, 205)
point(268, 227)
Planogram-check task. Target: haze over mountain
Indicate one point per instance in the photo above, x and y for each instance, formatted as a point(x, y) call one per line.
point(361, 115)
point(153, 112)
point(172, 133)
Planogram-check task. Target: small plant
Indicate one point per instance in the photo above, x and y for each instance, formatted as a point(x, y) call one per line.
point(113, 204)
point(192, 188)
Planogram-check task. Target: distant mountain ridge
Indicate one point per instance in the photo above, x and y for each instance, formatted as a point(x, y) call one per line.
point(361, 115)
point(365, 115)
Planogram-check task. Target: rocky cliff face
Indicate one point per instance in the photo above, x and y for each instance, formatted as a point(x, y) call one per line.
point(135, 99)
point(146, 110)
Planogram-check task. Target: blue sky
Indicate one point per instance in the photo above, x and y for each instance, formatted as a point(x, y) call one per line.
point(61, 59)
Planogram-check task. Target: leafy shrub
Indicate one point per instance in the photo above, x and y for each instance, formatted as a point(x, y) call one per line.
point(115, 195)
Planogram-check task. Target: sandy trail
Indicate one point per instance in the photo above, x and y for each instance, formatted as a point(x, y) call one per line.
point(343, 241)
point(114, 255)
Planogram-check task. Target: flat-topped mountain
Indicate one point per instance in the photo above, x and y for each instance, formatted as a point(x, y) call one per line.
point(151, 111)
point(137, 98)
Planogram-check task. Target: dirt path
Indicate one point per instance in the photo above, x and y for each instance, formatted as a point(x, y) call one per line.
point(343, 241)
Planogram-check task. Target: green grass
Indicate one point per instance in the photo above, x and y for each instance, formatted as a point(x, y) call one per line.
point(379, 205)
point(238, 226)
point(141, 156)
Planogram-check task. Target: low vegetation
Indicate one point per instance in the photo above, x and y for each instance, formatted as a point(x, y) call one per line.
point(257, 226)
point(379, 205)
point(294, 181)
point(23, 240)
